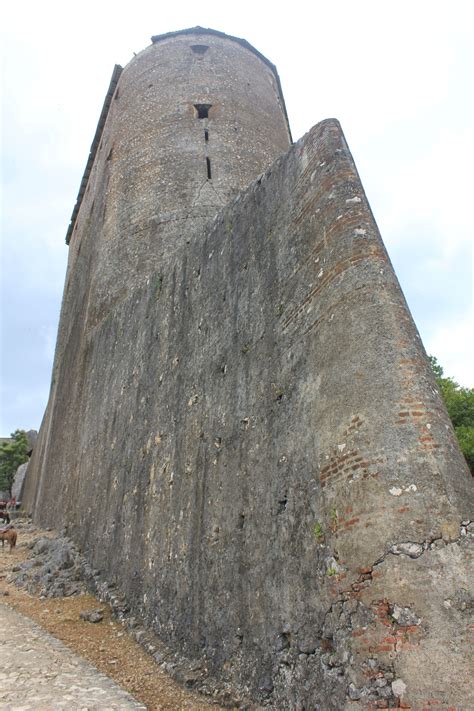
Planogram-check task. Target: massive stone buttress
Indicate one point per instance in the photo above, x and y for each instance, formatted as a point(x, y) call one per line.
point(250, 444)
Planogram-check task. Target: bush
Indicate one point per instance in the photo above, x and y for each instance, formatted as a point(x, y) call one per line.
point(12, 454)
point(459, 402)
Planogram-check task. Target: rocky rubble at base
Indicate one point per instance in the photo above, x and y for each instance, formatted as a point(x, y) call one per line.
point(55, 568)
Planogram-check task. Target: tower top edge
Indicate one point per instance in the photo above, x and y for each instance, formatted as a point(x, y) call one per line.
point(217, 33)
point(94, 146)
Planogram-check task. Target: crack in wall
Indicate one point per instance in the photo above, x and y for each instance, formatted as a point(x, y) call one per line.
point(155, 221)
point(347, 618)
point(414, 550)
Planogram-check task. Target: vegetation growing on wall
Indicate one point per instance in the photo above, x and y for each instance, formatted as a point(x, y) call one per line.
point(12, 454)
point(459, 402)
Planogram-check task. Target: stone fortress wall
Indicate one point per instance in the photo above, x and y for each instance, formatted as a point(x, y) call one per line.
point(244, 433)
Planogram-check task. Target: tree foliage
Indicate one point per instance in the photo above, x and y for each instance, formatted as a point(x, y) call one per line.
point(459, 402)
point(12, 454)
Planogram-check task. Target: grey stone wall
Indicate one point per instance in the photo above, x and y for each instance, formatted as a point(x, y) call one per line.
point(268, 464)
point(250, 444)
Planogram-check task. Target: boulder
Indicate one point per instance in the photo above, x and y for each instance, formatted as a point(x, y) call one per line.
point(19, 480)
point(31, 436)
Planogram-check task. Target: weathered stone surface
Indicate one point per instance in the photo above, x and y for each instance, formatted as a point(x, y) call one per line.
point(244, 436)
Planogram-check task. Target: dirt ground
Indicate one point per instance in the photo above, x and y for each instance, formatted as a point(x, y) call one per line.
point(105, 644)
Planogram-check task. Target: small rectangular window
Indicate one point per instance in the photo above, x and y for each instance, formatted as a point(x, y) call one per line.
point(202, 110)
point(199, 48)
point(206, 134)
point(208, 162)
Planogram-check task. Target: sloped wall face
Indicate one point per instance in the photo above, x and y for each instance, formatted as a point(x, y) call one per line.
point(256, 454)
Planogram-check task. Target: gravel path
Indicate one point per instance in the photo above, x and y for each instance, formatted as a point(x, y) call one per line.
point(39, 673)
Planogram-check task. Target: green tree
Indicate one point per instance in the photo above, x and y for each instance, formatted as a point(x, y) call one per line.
point(12, 454)
point(459, 402)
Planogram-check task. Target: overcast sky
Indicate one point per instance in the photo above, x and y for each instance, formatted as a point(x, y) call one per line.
point(398, 75)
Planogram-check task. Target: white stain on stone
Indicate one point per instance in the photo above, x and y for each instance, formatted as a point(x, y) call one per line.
point(398, 491)
point(341, 447)
point(398, 687)
point(354, 199)
point(359, 231)
point(412, 550)
point(321, 272)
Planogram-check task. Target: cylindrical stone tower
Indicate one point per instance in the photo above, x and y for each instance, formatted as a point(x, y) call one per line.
point(190, 122)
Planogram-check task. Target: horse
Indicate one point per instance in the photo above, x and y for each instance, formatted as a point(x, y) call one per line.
point(9, 535)
point(5, 515)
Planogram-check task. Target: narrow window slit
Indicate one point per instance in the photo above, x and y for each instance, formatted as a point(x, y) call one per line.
point(208, 163)
point(206, 134)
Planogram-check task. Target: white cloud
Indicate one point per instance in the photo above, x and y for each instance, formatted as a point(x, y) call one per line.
point(450, 342)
